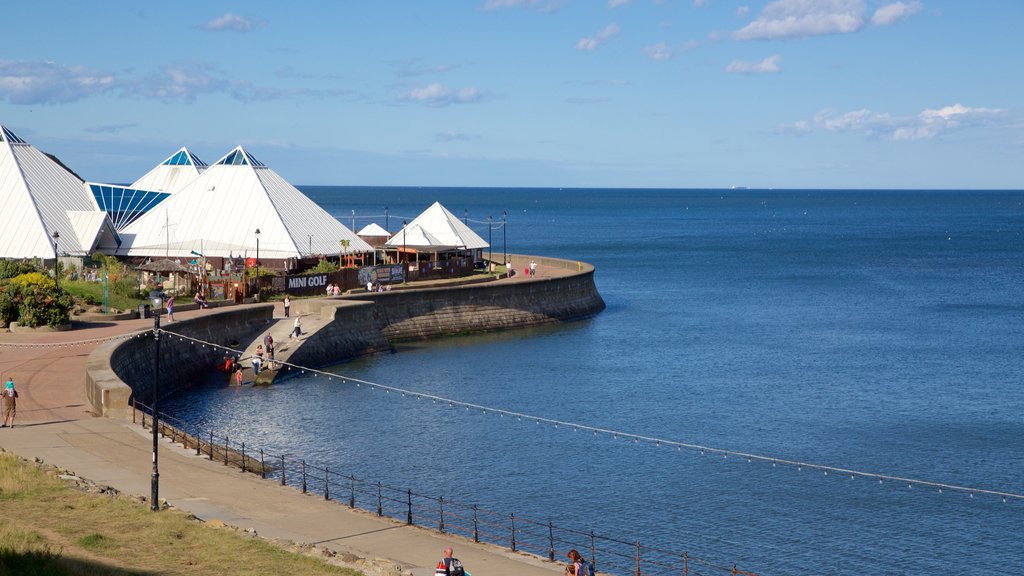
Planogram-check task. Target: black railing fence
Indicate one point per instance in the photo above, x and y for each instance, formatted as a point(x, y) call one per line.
point(608, 554)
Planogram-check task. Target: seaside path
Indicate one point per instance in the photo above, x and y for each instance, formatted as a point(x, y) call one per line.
point(54, 424)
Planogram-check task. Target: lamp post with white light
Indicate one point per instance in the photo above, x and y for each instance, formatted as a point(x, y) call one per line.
point(56, 262)
point(504, 235)
point(156, 298)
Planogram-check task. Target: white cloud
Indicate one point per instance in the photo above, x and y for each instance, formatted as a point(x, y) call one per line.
point(613, 4)
point(229, 22)
point(35, 82)
point(600, 38)
point(541, 5)
point(893, 13)
point(926, 125)
point(181, 83)
point(453, 136)
point(769, 65)
point(801, 18)
point(659, 51)
point(438, 95)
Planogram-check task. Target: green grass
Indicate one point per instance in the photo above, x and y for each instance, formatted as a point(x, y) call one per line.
point(94, 291)
point(48, 528)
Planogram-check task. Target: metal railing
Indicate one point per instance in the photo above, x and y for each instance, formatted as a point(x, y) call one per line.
point(608, 554)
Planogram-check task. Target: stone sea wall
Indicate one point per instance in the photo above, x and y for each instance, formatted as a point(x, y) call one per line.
point(356, 325)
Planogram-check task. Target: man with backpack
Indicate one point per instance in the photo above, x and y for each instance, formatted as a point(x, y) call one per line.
point(449, 566)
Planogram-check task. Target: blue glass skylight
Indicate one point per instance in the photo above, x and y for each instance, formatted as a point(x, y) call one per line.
point(11, 136)
point(125, 205)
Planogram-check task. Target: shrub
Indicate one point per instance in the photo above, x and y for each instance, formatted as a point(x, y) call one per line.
point(32, 302)
point(12, 268)
point(37, 279)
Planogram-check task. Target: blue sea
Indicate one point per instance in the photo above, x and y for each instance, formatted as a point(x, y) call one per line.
point(877, 331)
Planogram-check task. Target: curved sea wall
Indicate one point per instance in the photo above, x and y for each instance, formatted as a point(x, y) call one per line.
point(355, 325)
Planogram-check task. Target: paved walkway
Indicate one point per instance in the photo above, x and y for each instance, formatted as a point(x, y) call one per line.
point(55, 425)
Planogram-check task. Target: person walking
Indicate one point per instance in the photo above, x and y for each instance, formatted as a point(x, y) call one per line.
point(287, 305)
point(450, 566)
point(577, 565)
point(10, 403)
point(170, 309)
point(297, 329)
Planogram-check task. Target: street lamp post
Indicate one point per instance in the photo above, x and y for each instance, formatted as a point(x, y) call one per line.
point(353, 220)
point(56, 262)
point(504, 235)
point(490, 251)
point(257, 270)
point(154, 497)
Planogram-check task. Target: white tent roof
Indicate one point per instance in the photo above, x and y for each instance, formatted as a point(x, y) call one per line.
point(218, 213)
point(38, 197)
point(173, 174)
point(374, 230)
point(437, 228)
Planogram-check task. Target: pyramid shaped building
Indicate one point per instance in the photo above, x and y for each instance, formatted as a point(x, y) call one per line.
point(218, 213)
point(125, 204)
point(437, 230)
point(44, 204)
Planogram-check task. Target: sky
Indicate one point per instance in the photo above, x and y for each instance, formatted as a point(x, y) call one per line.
point(529, 93)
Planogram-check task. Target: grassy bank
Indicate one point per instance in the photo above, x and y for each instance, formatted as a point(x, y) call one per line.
point(47, 527)
point(93, 292)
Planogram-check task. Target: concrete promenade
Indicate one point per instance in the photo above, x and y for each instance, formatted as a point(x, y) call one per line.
point(54, 424)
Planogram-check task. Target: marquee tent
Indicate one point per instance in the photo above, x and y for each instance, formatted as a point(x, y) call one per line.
point(219, 212)
point(40, 198)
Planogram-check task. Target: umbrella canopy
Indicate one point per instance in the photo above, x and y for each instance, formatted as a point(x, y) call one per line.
point(163, 266)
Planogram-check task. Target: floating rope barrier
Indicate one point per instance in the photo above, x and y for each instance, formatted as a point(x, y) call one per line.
point(637, 438)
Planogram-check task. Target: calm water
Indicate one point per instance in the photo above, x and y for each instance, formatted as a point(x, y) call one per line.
point(873, 330)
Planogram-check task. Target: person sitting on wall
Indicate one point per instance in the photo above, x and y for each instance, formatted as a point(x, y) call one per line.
point(200, 300)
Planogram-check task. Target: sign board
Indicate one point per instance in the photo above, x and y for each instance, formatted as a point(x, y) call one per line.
point(390, 274)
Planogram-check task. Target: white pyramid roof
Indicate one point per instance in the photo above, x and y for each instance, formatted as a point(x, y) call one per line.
point(437, 228)
point(173, 174)
point(219, 212)
point(373, 230)
point(38, 197)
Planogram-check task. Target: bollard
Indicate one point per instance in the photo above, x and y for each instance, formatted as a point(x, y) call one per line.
point(352, 498)
point(211, 444)
point(226, 443)
point(408, 501)
point(327, 485)
point(303, 476)
point(198, 442)
point(133, 411)
point(380, 503)
point(263, 466)
point(282, 471)
point(243, 457)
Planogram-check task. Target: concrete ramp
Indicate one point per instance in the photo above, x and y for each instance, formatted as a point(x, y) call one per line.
point(281, 330)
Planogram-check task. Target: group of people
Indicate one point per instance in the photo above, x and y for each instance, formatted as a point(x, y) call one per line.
point(266, 348)
point(10, 403)
point(451, 566)
point(378, 287)
point(333, 290)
